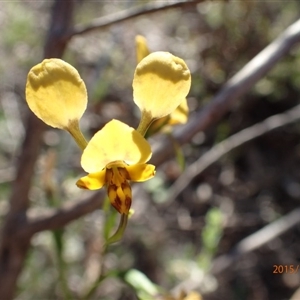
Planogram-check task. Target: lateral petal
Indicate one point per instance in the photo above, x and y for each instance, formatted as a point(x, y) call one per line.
point(161, 82)
point(140, 172)
point(93, 181)
point(56, 93)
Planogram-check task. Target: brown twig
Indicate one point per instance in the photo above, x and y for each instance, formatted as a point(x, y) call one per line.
point(120, 17)
point(256, 240)
point(60, 26)
point(13, 245)
point(227, 145)
point(57, 218)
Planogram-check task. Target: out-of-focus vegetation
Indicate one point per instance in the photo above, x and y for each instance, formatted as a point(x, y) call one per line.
point(171, 247)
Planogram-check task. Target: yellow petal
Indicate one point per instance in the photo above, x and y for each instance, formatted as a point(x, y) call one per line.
point(55, 93)
point(141, 48)
point(193, 296)
point(93, 181)
point(161, 81)
point(116, 141)
point(180, 114)
point(140, 172)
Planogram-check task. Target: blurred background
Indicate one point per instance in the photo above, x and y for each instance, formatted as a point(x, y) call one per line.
point(174, 244)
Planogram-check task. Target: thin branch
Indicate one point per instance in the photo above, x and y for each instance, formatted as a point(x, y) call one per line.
point(256, 240)
point(234, 88)
point(61, 25)
point(236, 140)
point(13, 246)
point(120, 17)
point(58, 218)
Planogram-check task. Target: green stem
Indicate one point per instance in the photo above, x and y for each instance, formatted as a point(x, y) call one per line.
point(100, 278)
point(59, 250)
point(91, 292)
point(76, 133)
point(145, 122)
point(59, 245)
point(120, 231)
point(178, 151)
point(114, 238)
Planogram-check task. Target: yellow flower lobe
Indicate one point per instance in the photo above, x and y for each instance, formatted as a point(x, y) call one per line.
point(55, 93)
point(161, 81)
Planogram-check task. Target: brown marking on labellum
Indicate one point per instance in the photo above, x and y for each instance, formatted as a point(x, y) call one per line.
point(127, 203)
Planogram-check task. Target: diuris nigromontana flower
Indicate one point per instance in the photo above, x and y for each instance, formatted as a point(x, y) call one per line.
point(115, 155)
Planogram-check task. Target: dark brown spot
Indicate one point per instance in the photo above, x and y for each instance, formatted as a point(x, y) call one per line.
point(117, 204)
point(124, 173)
point(109, 176)
point(127, 203)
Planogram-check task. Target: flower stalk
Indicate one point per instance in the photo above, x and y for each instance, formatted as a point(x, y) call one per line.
point(145, 122)
point(77, 135)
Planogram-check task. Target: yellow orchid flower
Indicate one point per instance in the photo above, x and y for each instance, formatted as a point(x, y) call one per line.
point(180, 114)
point(161, 82)
point(57, 95)
point(115, 155)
